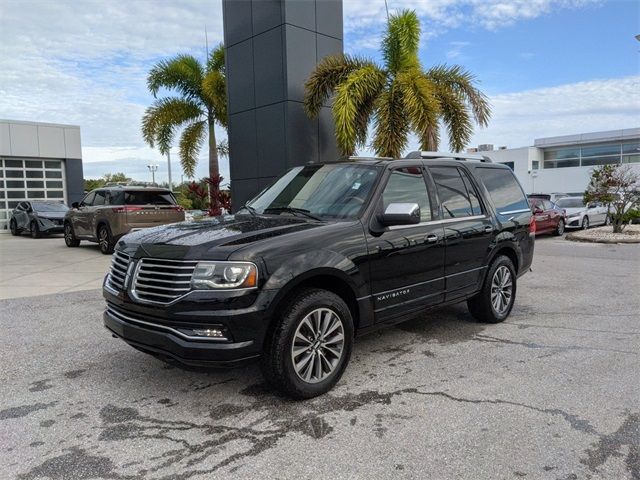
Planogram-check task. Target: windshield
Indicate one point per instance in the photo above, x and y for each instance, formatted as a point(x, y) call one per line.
point(333, 191)
point(49, 207)
point(570, 203)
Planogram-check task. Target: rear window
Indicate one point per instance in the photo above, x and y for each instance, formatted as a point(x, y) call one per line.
point(142, 197)
point(504, 190)
point(570, 202)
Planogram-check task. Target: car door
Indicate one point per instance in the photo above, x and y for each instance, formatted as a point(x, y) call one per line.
point(406, 262)
point(552, 215)
point(81, 217)
point(468, 230)
point(539, 215)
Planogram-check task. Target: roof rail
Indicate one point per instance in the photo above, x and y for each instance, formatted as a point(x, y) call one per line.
point(454, 156)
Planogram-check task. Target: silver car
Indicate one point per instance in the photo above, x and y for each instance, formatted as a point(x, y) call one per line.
point(583, 216)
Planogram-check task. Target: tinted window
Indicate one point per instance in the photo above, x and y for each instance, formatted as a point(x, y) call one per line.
point(547, 205)
point(49, 207)
point(536, 203)
point(406, 185)
point(505, 191)
point(142, 197)
point(100, 198)
point(568, 202)
point(472, 193)
point(88, 200)
point(454, 196)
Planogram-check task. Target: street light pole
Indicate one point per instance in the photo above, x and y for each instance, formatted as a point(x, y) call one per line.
point(152, 169)
point(169, 169)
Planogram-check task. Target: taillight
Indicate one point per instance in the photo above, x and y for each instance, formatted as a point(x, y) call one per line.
point(178, 208)
point(126, 209)
point(532, 226)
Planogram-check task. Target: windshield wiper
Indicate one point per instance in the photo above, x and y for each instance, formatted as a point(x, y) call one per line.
point(249, 209)
point(293, 210)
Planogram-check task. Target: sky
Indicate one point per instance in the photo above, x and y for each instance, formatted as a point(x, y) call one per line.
point(549, 67)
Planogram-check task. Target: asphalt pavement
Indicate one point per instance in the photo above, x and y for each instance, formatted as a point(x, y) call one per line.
point(552, 393)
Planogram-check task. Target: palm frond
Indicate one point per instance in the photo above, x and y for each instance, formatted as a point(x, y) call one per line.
point(191, 141)
point(215, 62)
point(456, 117)
point(328, 74)
point(401, 41)
point(214, 94)
point(164, 116)
point(223, 148)
point(360, 88)
point(182, 73)
point(420, 104)
point(462, 82)
point(391, 124)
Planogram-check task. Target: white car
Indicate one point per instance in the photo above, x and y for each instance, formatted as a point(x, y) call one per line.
point(583, 216)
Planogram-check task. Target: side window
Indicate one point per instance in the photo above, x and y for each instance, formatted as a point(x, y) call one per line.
point(454, 196)
point(505, 191)
point(547, 205)
point(406, 185)
point(100, 198)
point(472, 192)
point(88, 200)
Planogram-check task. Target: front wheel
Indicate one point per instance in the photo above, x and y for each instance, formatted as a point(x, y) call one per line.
point(13, 226)
point(607, 221)
point(585, 223)
point(69, 236)
point(494, 302)
point(35, 230)
point(559, 228)
point(310, 345)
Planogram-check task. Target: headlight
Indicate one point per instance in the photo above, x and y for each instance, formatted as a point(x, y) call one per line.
point(224, 275)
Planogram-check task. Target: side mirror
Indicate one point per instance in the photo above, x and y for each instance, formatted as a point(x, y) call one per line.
point(75, 205)
point(401, 214)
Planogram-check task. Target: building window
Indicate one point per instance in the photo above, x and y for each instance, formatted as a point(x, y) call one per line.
point(508, 164)
point(569, 162)
point(630, 158)
point(600, 150)
point(535, 165)
point(562, 153)
point(592, 161)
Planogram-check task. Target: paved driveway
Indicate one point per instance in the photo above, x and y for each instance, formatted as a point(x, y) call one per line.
point(553, 393)
point(41, 266)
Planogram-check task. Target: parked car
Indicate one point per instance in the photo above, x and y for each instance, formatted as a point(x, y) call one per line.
point(106, 214)
point(327, 252)
point(552, 197)
point(548, 216)
point(38, 217)
point(583, 216)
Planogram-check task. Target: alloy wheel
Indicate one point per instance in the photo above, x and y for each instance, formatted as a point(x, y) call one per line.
point(560, 227)
point(585, 223)
point(13, 227)
point(501, 290)
point(68, 234)
point(318, 345)
point(103, 239)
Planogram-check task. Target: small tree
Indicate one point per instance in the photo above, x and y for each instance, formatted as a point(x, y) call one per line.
point(618, 186)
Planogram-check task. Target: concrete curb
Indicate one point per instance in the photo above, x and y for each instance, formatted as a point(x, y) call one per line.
point(576, 237)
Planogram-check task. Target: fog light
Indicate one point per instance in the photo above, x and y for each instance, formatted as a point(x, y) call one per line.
point(209, 332)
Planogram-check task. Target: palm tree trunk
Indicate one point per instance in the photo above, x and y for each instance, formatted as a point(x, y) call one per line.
point(214, 168)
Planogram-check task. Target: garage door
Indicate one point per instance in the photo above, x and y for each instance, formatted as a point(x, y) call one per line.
point(29, 179)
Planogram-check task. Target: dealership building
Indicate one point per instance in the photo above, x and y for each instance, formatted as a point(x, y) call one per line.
point(564, 164)
point(38, 161)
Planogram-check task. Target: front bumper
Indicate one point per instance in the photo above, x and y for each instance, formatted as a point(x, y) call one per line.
point(574, 222)
point(166, 331)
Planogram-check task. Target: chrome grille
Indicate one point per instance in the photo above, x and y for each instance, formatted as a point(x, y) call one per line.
point(162, 281)
point(118, 273)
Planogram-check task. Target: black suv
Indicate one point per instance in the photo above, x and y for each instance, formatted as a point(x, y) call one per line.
point(328, 251)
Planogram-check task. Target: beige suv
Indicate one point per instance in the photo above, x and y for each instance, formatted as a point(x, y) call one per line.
point(106, 214)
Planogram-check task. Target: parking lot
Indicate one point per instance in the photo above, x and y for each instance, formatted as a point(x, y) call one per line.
point(553, 392)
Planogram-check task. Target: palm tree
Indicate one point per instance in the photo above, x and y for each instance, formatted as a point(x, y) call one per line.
point(200, 104)
point(399, 97)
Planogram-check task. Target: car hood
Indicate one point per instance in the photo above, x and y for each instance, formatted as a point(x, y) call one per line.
point(213, 237)
point(51, 215)
point(574, 211)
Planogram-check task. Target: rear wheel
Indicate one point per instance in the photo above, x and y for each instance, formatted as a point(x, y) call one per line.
point(35, 230)
point(494, 302)
point(13, 226)
point(69, 237)
point(559, 228)
point(105, 240)
point(585, 223)
point(310, 346)
point(607, 221)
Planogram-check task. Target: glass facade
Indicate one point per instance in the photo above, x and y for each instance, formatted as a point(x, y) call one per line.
point(29, 179)
point(592, 155)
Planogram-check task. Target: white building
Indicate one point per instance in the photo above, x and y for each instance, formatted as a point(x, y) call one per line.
point(564, 164)
point(38, 161)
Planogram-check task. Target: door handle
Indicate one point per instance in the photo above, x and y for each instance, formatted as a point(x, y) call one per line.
point(432, 238)
point(488, 229)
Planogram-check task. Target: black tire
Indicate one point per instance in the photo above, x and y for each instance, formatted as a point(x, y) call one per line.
point(585, 223)
point(34, 229)
point(559, 228)
point(105, 240)
point(13, 227)
point(279, 352)
point(69, 236)
point(481, 306)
